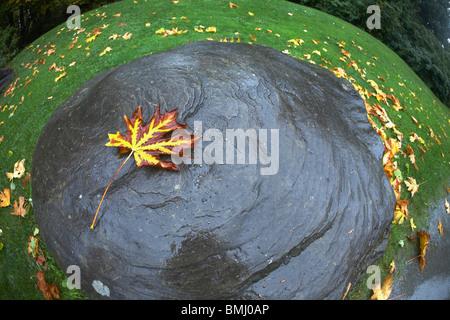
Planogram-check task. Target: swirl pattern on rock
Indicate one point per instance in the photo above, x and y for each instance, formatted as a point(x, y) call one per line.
point(215, 231)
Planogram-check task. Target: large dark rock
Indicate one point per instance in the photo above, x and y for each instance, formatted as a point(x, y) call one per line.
point(216, 230)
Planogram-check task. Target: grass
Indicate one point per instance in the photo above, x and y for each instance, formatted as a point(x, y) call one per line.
point(27, 106)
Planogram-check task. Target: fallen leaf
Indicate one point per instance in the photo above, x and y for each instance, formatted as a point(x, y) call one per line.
point(211, 29)
point(412, 186)
point(296, 42)
point(5, 198)
point(233, 5)
point(127, 35)
point(117, 15)
point(447, 206)
point(19, 210)
point(441, 230)
point(251, 13)
point(392, 267)
point(26, 180)
point(401, 211)
point(384, 292)
point(33, 246)
point(148, 141)
point(60, 76)
point(413, 226)
point(19, 170)
point(50, 292)
point(107, 49)
point(92, 38)
point(424, 239)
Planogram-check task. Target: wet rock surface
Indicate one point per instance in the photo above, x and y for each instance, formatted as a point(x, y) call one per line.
point(302, 229)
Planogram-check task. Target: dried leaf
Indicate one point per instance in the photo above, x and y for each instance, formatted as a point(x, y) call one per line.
point(107, 49)
point(424, 239)
point(5, 198)
point(127, 35)
point(384, 292)
point(447, 206)
point(148, 141)
point(60, 76)
point(50, 291)
point(19, 210)
point(19, 170)
point(412, 186)
point(441, 230)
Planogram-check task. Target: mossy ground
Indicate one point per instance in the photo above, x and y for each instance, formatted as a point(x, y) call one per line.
point(28, 105)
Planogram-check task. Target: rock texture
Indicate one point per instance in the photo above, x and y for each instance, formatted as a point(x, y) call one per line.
point(215, 231)
point(6, 76)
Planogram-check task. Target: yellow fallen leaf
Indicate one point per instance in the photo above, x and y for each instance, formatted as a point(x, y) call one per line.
point(211, 29)
point(447, 206)
point(60, 76)
point(114, 36)
point(90, 39)
point(127, 35)
point(19, 170)
point(441, 230)
point(251, 13)
point(413, 226)
point(5, 198)
point(107, 49)
point(296, 42)
point(384, 292)
point(412, 186)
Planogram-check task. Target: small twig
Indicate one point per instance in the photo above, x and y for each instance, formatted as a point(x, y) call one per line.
point(413, 258)
point(403, 294)
point(95, 217)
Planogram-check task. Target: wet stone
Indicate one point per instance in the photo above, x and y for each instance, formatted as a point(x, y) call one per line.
point(277, 225)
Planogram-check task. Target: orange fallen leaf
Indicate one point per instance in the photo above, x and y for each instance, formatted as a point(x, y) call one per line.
point(424, 239)
point(5, 198)
point(441, 230)
point(19, 210)
point(384, 292)
point(50, 291)
point(233, 5)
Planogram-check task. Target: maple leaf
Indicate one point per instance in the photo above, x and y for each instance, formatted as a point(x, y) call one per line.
point(19, 170)
point(148, 141)
point(424, 240)
point(5, 198)
point(19, 210)
point(412, 185)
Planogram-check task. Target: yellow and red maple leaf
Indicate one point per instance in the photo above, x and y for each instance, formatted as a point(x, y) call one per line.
point(147, 142)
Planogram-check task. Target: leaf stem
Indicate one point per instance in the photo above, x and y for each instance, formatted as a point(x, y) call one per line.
point(95, 217)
